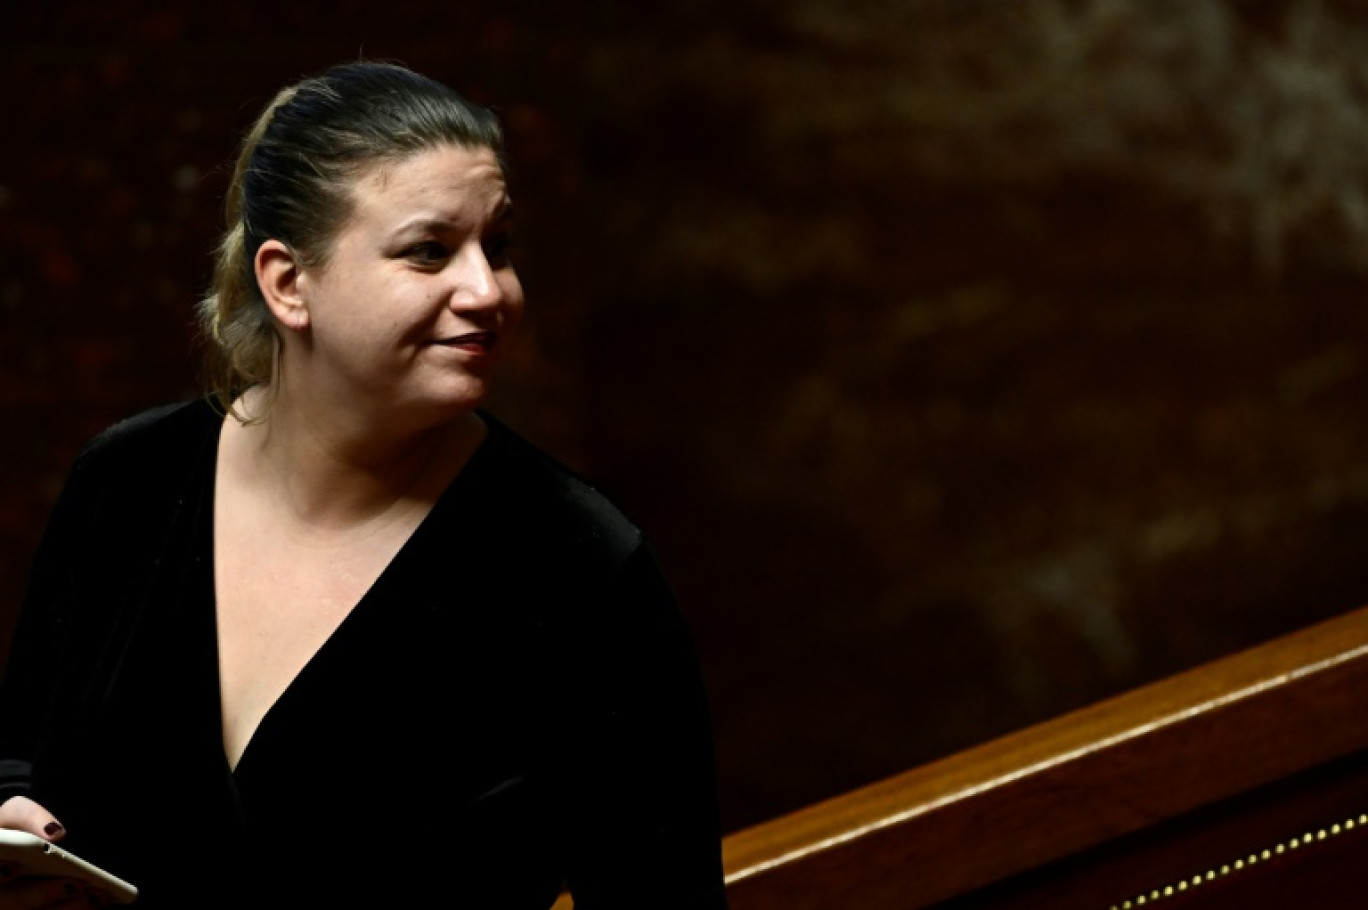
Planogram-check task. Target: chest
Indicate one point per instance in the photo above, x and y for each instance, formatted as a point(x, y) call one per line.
point(280, 594)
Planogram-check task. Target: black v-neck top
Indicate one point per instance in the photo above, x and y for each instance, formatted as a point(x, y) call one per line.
point(514, 705)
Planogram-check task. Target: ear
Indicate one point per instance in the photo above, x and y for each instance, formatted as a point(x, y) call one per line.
point(280, 277)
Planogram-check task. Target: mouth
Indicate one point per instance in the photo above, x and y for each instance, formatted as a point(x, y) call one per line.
point(470, 342)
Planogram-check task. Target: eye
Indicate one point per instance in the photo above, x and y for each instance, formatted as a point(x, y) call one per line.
point(497, 248)
point(427, 252)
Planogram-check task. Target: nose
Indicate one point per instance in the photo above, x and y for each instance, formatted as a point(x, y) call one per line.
point(474, 282)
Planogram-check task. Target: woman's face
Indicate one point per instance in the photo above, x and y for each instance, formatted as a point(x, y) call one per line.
point(417, 299)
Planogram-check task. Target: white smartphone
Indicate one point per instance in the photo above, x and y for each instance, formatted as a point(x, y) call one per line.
point(38, 857)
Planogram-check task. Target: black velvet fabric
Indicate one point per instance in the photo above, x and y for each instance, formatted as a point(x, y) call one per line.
point(514, 705)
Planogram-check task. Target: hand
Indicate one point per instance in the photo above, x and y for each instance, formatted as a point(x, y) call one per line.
point(21, 892)
point(23, 814)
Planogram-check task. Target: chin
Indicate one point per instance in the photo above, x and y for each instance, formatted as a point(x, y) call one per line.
point(464, 402)
point(448, 398)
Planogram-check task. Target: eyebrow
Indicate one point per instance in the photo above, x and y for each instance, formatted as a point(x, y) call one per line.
point(503, 213)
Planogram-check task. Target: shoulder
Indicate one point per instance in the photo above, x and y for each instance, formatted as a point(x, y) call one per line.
point(145, 450)
point(542, 495)
point(182, 419)
point(581, 565)
point(121, 495)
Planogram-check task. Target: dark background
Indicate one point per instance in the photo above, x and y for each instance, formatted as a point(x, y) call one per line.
point(968, 362)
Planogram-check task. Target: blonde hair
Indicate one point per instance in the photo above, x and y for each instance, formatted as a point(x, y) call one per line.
point(292, 182)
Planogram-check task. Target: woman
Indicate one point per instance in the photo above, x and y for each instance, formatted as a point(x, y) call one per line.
point(346, 637)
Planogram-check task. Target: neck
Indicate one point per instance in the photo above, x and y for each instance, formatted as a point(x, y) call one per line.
point(341, 472)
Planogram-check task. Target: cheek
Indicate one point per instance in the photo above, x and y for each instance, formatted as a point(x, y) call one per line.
point(513, 301)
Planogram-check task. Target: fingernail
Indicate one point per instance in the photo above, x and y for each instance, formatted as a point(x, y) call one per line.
point(52, 829)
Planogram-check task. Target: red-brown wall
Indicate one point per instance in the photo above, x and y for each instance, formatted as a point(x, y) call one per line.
point(966, 361)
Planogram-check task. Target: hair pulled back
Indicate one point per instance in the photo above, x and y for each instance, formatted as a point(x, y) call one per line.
point(292, 182)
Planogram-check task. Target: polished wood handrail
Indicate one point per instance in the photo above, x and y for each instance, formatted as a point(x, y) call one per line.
point(1069, 784)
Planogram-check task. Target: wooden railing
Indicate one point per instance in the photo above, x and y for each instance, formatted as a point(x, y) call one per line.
point(1243, 782)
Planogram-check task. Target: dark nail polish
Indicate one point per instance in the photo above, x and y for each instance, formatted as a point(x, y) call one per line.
point(52, 829)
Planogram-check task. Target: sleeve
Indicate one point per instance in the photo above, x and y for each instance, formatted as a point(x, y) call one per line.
point(644, 827)
point(33, 667)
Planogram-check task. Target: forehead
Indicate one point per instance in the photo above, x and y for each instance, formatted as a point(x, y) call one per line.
point(447, 179)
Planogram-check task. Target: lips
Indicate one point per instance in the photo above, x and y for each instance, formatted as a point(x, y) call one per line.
point(471, 342)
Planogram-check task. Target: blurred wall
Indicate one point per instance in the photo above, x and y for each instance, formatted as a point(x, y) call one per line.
point(968, 361)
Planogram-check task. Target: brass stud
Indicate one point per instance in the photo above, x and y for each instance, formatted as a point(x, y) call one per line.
point(1253, 858)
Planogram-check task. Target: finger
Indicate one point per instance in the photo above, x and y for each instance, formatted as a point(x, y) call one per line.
point(24, 814)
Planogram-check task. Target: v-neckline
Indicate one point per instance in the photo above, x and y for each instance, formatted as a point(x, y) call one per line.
point(355, 616)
